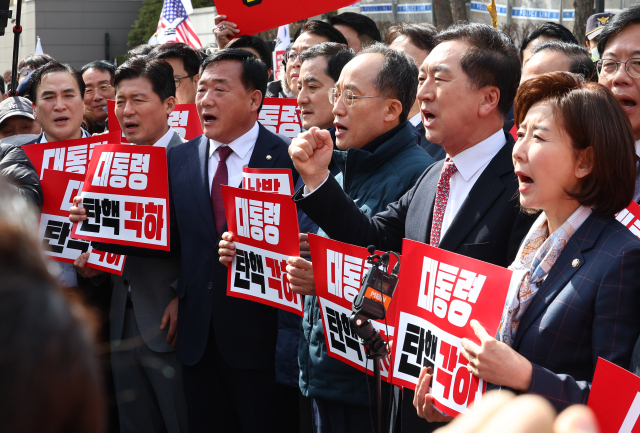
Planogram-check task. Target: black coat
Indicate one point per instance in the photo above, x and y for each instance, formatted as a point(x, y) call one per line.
point(19, 172)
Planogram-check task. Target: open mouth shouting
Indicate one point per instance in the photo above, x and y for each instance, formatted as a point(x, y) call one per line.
point(61, 121)
point(524, 180)
point(428, 118)
point(340, 129)
point(208, 119)
point(130, 126)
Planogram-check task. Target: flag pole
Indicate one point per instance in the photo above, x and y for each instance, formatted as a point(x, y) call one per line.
point(17, 30)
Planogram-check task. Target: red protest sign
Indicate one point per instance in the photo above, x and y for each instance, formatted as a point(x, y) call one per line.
point(255, 16)
point(281, 116)
point(338, 270)
point(615, 398)
point(126, 196)
point(265, 231)
point(183, 119)
point(58, 189)
point(438, 294)
point(72, 156)
point(630, 218)
point(277, 180)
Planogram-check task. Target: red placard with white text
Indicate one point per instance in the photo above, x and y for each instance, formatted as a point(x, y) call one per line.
point(630, 218)
point(184, 120)
point(255, 16)
point(615, 398)
point(58, 190)
point(265, 232)
point(277, 180)
point(281, 116)
point(338, 270)
point(72, 156)
point(438, 294)
point(126, 196)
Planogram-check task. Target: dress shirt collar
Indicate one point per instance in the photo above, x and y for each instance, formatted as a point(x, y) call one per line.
point(638, 147)
point(474, 158)
point(241, 145)
point(85, 134)
point(165, 139)
point(416, 120)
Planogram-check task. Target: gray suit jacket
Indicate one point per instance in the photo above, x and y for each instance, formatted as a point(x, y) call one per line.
point(151, 292)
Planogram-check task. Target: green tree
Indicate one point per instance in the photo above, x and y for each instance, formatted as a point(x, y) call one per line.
point(147, 23)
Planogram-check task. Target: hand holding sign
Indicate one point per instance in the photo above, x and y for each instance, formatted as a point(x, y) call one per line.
point(311, 153)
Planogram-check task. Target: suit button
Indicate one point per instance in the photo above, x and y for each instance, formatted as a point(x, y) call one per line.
point(125, 282)
point(210, 285)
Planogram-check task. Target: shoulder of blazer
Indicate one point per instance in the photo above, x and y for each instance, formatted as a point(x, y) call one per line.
point(502, 162)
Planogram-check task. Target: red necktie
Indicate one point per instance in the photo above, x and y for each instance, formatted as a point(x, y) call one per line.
point(220, 178)
point(442, 197)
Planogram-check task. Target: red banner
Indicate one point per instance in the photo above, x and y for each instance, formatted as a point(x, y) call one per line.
point(255, 16)
point(277, 180)
point(438, 294)
point(338, 270)
point(630, 218)
point(615, 398)
point(126, 196)
point(184, 120)
point(265, 231)
point(58, 189)
point(72, 156)
point(281, 116)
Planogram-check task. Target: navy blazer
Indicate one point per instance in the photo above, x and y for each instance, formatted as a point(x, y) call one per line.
point(245, 332)
point(586, 308)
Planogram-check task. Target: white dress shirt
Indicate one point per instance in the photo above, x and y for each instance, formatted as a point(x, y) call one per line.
point(638, 147)
point(470, 164)
point(242, 148)
point(165, 139)
point(416, 120)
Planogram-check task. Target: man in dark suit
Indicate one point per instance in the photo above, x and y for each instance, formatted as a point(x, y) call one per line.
point(144, 305)
point(466, 204)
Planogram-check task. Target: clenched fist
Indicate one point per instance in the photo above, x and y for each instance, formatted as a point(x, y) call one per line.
point(311, 154)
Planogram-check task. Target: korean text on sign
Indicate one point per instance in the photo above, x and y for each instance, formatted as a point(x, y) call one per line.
point(59, 188)
point(338, 269)
point(279, 181)
point(72, 156)
point(439, 292)
point(615, 398)
point(630, 218)
point(265, 230)
point(281, 116)
point(126, 197)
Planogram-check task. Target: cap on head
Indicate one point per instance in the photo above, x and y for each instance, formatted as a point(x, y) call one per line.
point(15, 106)
point(596, 23)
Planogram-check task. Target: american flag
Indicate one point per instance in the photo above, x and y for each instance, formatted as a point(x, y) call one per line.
point(174, 24)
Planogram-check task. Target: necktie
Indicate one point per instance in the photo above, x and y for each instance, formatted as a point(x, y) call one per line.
point(442, 196)
point(220, 178)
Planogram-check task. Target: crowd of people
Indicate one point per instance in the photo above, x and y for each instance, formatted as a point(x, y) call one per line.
point(456, 138)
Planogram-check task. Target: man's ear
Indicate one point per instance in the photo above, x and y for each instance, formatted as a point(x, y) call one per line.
point(256, 100)
point(170, 104)
point(394, 110)
point(490, 99)
point(196, 78)
point(33, 107)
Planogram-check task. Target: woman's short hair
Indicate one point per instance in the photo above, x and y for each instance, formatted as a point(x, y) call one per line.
point(593, 118)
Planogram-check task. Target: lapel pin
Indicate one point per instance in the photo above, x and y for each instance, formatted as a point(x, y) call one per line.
point(575, 263)
point(268, 157)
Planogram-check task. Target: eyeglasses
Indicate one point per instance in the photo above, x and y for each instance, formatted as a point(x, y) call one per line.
point(347, 97)
point(100, 89)
point(291, 57)
point(178, 79)
point(608, 68)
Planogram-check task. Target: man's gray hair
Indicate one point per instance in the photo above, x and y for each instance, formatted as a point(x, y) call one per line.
point(398, 77)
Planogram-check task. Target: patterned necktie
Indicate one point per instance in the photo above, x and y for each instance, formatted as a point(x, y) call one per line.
point(442, 196)
point(221, 178)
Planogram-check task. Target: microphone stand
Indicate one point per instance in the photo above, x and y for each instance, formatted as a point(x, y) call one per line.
point(17, 30)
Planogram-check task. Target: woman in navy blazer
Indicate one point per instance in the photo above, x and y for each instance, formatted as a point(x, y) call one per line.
point(578, 289)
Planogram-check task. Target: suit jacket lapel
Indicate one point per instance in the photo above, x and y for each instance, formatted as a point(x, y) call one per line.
point(199, 159)
point(484, 193)
point(262, 157)
point(561, 272)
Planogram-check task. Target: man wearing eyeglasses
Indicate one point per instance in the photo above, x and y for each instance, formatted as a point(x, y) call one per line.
point(619, 67)
point(98, 79)
point(379, 160)
point(185, 62)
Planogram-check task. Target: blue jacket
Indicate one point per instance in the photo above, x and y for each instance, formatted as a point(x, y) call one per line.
point(374, 176)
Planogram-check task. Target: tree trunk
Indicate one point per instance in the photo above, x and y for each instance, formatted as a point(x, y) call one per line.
point(442, 9)
point(459, 10)
point(583, 10)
